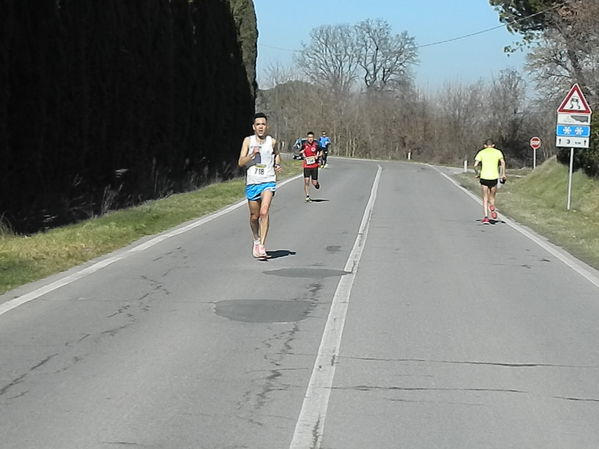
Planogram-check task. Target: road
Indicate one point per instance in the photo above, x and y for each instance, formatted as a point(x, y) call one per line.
point(388, 317)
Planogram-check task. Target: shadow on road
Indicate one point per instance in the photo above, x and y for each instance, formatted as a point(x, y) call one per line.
point(280, 253)
point(491, 221)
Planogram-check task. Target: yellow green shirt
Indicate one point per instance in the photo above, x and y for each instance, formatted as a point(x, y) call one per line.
point(489, 158)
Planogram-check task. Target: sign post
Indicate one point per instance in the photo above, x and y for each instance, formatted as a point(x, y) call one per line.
point(573, 127)
point(535, 144)
point(570, 178)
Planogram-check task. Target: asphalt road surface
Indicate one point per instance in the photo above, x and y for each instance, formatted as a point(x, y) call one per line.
point(388, 317)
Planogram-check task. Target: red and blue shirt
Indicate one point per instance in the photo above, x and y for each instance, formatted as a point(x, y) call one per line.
point(310, 154)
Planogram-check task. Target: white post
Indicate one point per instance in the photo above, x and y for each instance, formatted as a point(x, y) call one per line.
point(465, 165)
point(534, 158)
point(570, 176)
point(409, 155)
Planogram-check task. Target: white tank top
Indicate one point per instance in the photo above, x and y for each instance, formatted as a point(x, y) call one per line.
point(262, 167)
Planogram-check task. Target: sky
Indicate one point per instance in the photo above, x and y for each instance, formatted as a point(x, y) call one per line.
point(284, 24)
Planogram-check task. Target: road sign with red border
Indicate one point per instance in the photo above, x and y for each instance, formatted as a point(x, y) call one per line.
point(535, 143)
point(574, 102)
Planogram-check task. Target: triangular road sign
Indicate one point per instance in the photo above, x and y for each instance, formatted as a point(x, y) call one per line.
point(575, 102)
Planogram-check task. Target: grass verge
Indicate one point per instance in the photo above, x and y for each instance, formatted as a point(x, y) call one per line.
point(538, 200)
point(25, 259)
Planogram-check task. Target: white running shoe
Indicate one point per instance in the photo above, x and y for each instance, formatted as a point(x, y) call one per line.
point(256, 249)
point(262, 252)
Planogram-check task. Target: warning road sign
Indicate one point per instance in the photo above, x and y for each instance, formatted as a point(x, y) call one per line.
point(574, 102)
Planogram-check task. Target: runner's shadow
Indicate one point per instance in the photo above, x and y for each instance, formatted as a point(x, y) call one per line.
point(319, 200)
point(491, 221)
point(280, 253)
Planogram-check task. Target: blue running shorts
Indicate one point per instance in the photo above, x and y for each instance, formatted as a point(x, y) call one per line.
point(253, 191)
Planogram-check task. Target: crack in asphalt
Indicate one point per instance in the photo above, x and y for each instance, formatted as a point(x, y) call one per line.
point(393, 388)
point(17, 380)
point(563, 398)
point(471, 362)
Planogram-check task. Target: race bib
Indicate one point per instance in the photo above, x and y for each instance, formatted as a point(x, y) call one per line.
point(259, 169)
point(310, 160)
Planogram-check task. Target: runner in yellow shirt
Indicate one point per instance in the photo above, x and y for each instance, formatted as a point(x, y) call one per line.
point(490, 159)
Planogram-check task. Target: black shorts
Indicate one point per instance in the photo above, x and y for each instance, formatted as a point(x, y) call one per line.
point(311, 173)
point(489, 182)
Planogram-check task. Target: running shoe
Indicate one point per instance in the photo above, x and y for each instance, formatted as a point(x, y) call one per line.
point(262, 252)
point(308, 200)
point(493, 212)
point(256, 249)
point(485, 221)
point(317, 186)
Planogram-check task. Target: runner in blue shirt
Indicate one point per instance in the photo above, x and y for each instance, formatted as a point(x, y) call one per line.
point(324, 142)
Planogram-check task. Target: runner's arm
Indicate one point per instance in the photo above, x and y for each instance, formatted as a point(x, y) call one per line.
point(503, 174)
point(244, 157)
point(277, 156)
point(476, 171)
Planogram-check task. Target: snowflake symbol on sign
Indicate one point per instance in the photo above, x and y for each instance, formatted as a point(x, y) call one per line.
point(579, 131)
point(567, 130)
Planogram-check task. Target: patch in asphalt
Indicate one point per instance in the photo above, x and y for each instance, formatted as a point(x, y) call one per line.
point(263, 310)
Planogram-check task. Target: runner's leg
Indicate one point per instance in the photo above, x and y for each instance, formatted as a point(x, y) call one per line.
point(315, 182)
point(255, 226)
point(492, 194)
point(307, 186)
point(254, 218)
point(264, 211)
point(485, 191)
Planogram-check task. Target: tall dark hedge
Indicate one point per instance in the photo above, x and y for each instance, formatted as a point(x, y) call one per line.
point(105, 104)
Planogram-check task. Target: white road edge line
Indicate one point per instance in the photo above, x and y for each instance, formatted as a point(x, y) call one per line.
point(35, 294)
point(568, 260)
point(309, 428)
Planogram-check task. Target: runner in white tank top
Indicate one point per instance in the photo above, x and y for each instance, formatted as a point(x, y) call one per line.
point(263, 161)
point(261, 168)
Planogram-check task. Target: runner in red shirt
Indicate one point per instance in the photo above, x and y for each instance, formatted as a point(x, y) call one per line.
point(311, 154)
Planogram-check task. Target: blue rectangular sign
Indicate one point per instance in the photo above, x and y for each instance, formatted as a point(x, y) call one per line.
point(573, 131)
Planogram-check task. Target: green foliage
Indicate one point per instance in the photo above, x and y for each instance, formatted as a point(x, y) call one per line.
point(526, 17)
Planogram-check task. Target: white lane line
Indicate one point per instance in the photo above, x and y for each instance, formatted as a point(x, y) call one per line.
point(569, 260)
point(35, 294)
point(310, 425)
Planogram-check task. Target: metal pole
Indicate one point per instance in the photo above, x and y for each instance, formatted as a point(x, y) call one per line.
point(534, 158)
point(570, 176)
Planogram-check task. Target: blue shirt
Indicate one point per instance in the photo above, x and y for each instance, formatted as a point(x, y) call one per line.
point(323, 141)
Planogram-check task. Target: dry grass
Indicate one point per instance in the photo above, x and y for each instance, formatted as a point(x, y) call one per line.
point(28, 258)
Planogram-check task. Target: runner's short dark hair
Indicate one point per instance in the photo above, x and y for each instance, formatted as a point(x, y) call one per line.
point(309, 132)
point(489, 142)
point(260, 115)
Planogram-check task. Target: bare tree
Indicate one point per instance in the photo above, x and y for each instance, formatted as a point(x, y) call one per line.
point(507, 95)
point(564, 35)
point(330, 58)
point(385, 58)
point(568, 52)
point(278, 73)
